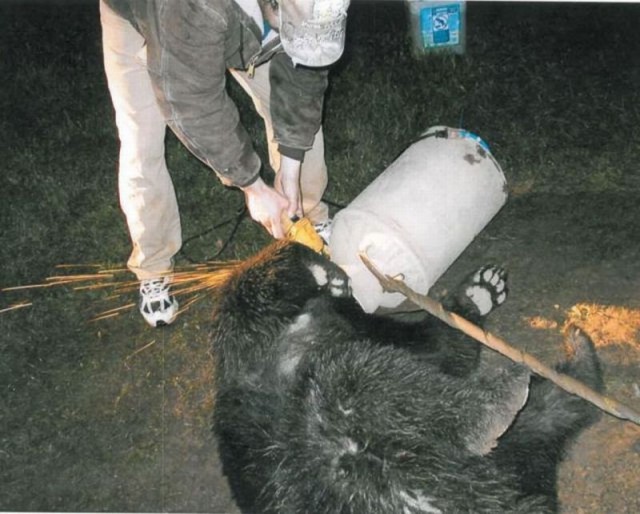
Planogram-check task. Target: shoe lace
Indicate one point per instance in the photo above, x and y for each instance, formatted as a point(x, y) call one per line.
point(323, 225)
point(323, 229)
point(154, 289)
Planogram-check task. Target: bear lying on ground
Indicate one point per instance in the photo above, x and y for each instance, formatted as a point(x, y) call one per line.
point(321, 408)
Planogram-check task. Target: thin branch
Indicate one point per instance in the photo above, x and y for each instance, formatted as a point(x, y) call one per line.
point(569, 384)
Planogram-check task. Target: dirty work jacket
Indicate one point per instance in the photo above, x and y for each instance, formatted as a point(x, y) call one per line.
point(190, 45)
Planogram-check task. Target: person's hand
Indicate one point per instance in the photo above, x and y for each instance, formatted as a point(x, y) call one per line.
point(287, 182)
point(266, 206)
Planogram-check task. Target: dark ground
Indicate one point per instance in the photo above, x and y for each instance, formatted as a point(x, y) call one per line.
point(115, 416)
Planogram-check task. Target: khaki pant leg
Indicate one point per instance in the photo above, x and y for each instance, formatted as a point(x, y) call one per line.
point(313, 172)
point(147, 196)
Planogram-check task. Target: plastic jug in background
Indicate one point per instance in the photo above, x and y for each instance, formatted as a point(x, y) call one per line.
point(438, 26)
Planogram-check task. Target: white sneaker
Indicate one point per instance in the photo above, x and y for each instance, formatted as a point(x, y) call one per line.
point(157, 305)
point(323, 229)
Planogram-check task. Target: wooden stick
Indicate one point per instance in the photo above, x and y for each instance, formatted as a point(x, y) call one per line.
point(569, 384)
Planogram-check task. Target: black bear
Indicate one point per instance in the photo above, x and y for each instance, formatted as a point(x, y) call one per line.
point(321, 408)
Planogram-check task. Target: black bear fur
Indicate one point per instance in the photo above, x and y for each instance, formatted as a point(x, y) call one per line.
point(321, 408)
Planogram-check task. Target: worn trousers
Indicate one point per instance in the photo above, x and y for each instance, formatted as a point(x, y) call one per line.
point(146, 192)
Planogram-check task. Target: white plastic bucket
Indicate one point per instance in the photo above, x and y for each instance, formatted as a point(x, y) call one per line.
point(418, 215)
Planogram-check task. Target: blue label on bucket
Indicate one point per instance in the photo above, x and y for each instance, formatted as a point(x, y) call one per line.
point(440, 26)
point(469, 135)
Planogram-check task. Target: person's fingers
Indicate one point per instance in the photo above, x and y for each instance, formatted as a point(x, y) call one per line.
point(268, 207)
point(276, 229)
point(293, 211)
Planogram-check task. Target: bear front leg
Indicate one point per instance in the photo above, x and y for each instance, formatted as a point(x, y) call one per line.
point(480, 293)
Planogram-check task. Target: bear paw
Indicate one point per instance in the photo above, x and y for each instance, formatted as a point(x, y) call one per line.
point(487, 288)
point(330, 277)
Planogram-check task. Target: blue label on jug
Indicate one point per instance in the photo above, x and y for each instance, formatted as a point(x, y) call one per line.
point(469, 135)
point(440, 25)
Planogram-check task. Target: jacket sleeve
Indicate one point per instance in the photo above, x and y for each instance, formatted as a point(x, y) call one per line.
point(187, 67)
point(297, 98)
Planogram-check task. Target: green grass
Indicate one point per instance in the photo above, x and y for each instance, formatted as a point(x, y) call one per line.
point(85, 412)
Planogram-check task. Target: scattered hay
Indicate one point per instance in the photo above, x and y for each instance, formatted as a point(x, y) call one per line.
point(605, 324)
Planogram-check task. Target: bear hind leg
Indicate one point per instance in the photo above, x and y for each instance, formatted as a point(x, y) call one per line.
point(552, 418)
